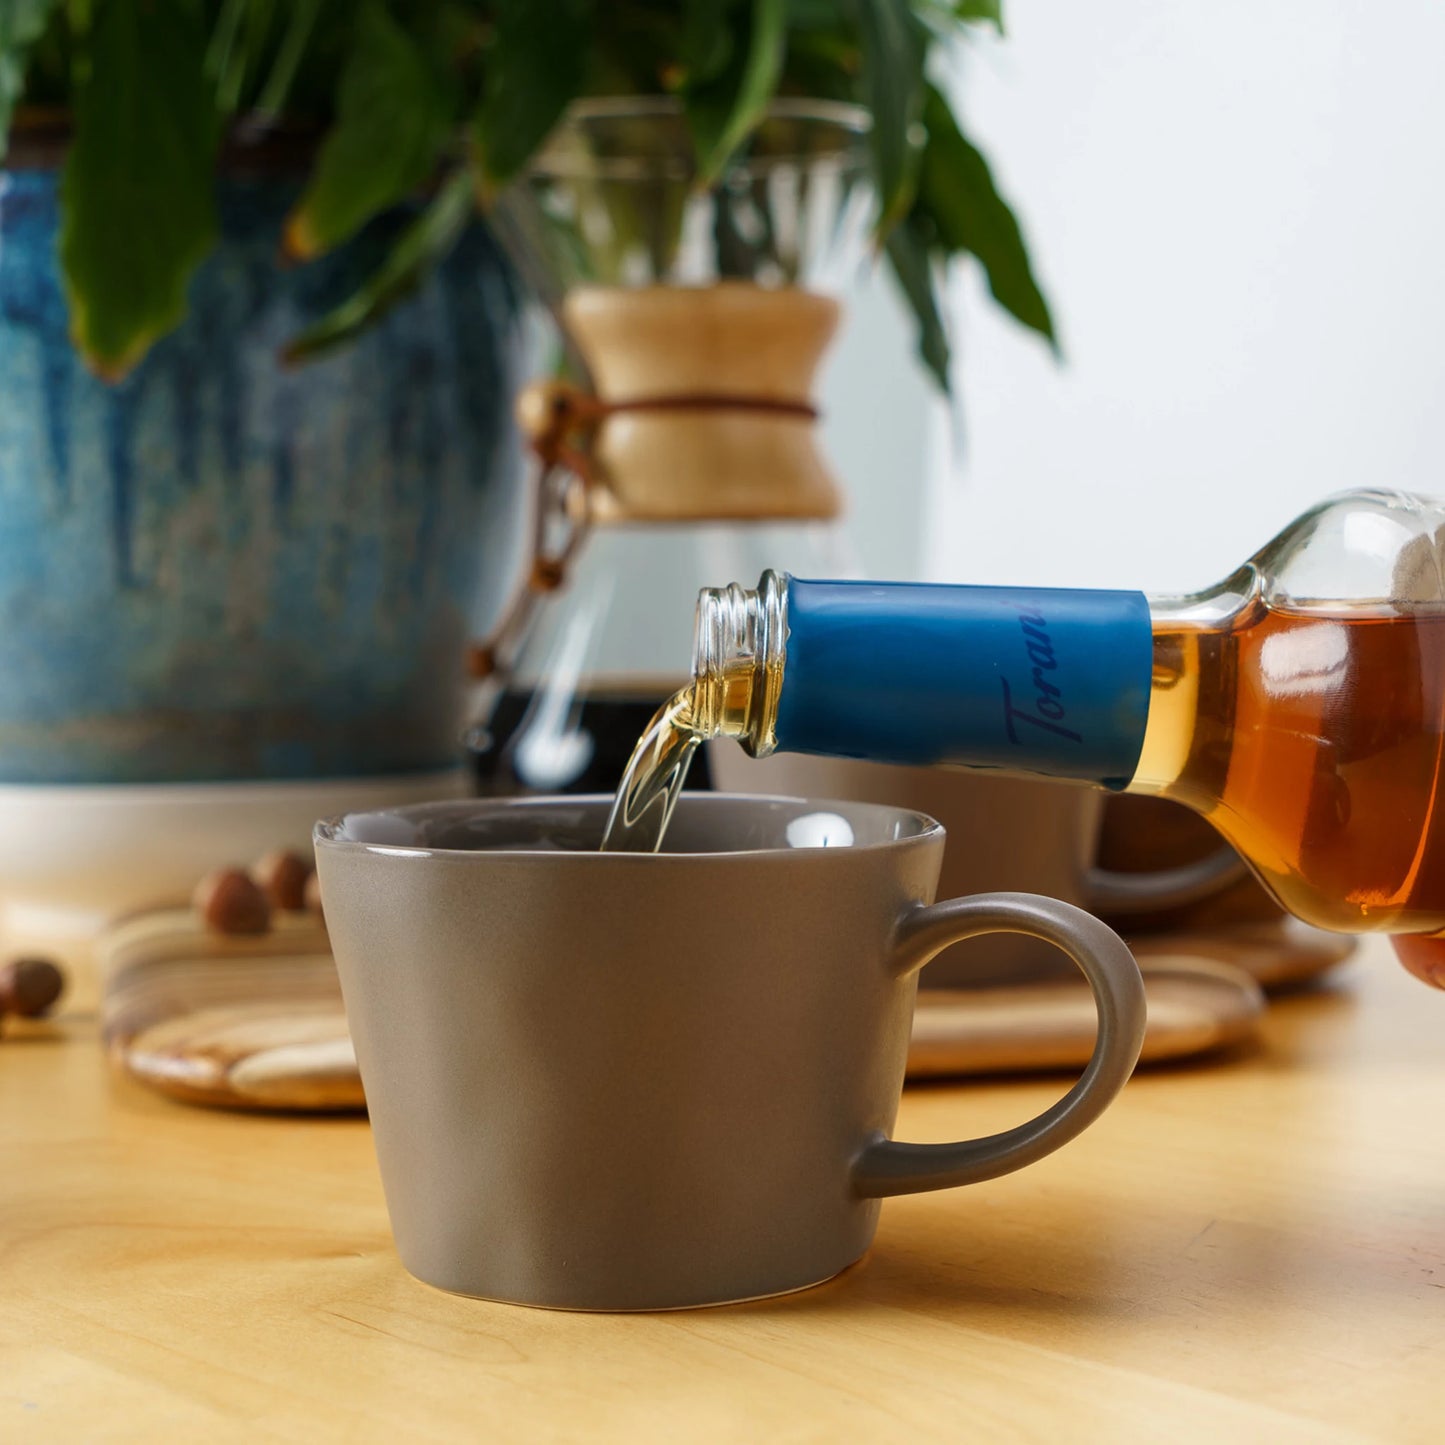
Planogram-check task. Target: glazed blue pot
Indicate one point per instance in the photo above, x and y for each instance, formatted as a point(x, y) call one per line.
point(226, 569)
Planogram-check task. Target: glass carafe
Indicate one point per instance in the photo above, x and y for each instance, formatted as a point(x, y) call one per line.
point(698, 318)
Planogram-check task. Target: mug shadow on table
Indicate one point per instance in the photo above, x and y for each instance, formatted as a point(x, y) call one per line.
point(1310, 1278)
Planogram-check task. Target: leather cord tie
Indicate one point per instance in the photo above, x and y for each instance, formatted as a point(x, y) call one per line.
point(561, 424)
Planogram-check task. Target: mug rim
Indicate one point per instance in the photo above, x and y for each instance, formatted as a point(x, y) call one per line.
point(323, 835)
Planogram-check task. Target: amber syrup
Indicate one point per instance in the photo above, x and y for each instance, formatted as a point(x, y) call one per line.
point(1313, 741)
point(649, 790)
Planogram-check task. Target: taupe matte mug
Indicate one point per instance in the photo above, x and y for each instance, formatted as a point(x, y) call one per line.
point(617, 1082)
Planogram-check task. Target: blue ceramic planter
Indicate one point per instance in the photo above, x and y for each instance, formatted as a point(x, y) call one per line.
point(223, 569)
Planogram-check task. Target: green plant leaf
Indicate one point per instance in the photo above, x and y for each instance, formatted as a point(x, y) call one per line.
point(813, 15)
point(138, 191)
point(22, 23)
point(258, 46)
point(272, 100)
point(721, 113)
point(535, 68)
point(225, 54)
point(705, 44)
point(393, 115)
point(424, 243)
point(988, 12)
point(892, 76)
point(823, 65)
point(909, 252)
point(957, 192)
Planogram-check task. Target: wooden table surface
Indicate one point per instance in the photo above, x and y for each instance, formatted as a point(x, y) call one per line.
point(1248, 1251)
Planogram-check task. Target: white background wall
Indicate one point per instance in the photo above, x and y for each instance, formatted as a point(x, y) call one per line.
point(1238, 209)
point(877, 428)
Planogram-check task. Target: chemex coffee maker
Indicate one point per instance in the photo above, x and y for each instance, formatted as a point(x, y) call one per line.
point(679, 443)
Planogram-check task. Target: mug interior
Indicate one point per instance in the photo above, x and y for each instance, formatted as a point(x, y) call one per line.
point(704, 823)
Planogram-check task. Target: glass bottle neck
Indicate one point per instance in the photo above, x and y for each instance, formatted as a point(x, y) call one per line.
point(737, 662)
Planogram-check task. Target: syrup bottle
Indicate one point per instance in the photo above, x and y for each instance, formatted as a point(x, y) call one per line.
point(1299, 705)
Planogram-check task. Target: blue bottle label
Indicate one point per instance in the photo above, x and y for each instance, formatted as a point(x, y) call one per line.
point(1049, 681)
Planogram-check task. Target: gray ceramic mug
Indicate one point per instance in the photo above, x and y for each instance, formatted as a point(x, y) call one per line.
point(1005, 833)
point(617, 1082)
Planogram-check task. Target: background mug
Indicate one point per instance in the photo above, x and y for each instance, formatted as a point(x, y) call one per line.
point(1030, 834)
point(611, 1081)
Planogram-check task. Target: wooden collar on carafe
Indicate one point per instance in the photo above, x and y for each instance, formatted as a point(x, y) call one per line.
point(702, 413)
point(702, 409)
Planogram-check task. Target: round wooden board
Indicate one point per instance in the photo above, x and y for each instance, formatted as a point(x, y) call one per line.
point(1206, 991)
point(246, 1023)
point(259, 1023)
point(1195, 1007)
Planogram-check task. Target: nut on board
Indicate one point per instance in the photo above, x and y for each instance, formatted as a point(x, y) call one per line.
point(229, 900)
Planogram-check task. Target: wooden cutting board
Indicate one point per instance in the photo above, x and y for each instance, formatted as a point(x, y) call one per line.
point(258, 1023)
point(252, 1023)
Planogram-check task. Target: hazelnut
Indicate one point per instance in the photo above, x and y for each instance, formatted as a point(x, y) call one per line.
point(29, 986)
point(230, 901)
point(282, 876)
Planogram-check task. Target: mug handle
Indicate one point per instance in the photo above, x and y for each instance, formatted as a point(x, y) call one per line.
point(888, 1167)
point(1114, 892)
